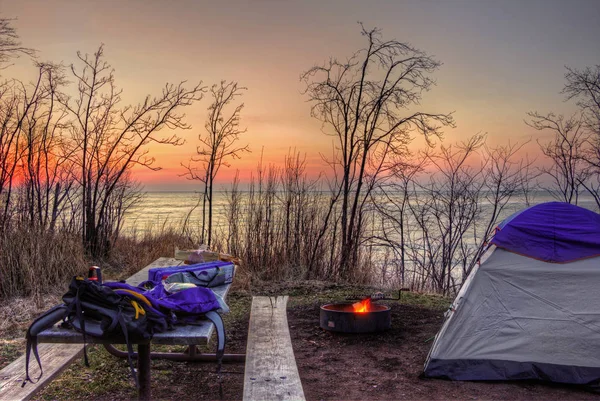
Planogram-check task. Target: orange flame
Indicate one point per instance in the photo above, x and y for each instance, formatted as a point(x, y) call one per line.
point(363, 306)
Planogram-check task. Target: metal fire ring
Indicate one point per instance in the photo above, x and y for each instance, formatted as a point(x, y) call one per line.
point(342, 318)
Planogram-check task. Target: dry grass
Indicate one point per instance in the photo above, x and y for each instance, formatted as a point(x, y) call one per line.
point(16, 314)
point(285, 227)
point(35, 268)
point(35, 262)
point(130, 254)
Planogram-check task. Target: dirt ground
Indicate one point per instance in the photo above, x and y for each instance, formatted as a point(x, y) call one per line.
point(383, 366)
point(386, 366)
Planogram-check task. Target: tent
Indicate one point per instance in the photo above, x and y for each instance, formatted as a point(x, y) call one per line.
point(531, 308)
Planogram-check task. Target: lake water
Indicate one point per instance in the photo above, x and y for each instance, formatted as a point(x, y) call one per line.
point(172, 209)
point(158, 209)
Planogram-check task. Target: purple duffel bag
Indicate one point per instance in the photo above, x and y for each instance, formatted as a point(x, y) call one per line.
point(207, 274)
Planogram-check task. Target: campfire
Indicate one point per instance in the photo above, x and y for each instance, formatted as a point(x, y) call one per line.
point(362, 306)
point(364, 316)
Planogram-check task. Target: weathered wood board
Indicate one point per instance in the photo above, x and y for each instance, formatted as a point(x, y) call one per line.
point(55, 358)
point(271, 372)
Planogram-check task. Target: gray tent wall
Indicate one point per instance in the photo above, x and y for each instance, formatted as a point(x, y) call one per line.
point(521, 318)
point(454, 306)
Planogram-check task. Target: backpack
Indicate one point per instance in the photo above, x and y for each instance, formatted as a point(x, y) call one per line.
point(98, 311)
point(124, 312)
point(187, 306)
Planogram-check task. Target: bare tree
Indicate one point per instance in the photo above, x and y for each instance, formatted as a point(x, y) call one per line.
point(22, 106)
point(451, 201)
point(392, 203)
point(217, 146)
point(528, 175)
point(295, 194)
point(46, 168)
point(567, 153)
point(504, 177)
point(110, 139)
point(15, 104)
point(10, 121)
point(575, 149)
point(10, 46)
point(438, 211)
point(584, 86)
point(363, 103)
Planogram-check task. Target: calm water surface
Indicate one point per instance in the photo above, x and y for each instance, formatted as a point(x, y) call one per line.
point(159, 209)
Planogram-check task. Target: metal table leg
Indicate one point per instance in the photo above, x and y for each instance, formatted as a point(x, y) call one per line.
point(143, 363)
point(190, 355)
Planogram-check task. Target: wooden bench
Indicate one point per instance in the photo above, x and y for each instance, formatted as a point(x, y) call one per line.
point(56, 357)
point(271, 372)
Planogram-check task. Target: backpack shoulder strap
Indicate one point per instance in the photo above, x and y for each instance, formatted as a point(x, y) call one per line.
point(45, 321)
point(129, 350)
point(216, 318)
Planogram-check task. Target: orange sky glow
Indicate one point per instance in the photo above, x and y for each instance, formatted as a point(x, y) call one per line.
point(501, 59)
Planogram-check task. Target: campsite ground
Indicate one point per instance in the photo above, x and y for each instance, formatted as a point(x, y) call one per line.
point(384, 366)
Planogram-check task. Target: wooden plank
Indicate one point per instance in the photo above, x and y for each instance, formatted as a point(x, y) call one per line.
point(55, 358)
point(190, 334)
point(271, 372)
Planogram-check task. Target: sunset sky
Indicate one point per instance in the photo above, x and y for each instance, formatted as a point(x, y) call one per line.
point(501, 59)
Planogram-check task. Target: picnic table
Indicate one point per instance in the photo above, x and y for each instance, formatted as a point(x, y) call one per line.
point(190, 335)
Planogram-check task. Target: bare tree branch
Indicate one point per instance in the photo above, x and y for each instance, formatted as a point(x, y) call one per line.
point(364, 104)
point(217, 147)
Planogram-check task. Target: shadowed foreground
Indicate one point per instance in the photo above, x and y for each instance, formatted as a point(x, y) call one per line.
point(332, 366)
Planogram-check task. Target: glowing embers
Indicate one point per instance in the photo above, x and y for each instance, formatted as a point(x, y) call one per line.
point(360, 317)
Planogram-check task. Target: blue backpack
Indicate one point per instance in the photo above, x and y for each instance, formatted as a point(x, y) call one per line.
point(182, 307)
point(117, 308)
point(96, 310)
